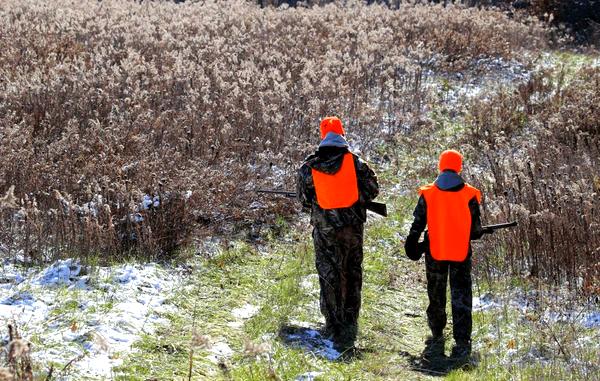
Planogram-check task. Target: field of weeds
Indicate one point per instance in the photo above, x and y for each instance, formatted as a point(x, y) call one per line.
point(106, 103)
point(133, 137)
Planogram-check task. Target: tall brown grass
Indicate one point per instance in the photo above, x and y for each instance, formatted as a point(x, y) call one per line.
point(18, 358)
point(102, 103)
point(540, 146)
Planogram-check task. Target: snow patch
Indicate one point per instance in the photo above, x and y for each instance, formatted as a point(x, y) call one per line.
point(311, 341)
point(9, 279)
point(126, 274)
point(484, 302)
point(300, 324)
point(97, 316)
point(526, 302)
point(257, 205)
point(59, 273)
point(309, 376)
point(310, 282)
point(245, 312)
point(235, 324)
point(220, 351)
point(591, 320)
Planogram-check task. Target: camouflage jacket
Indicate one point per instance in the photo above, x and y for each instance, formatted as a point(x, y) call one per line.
point(328, 158)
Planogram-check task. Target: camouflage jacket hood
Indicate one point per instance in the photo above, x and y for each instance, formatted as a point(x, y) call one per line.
point(329, 155)
point(449, 181)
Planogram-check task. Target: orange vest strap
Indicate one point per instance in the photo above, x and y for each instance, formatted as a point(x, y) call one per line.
point(338, 190)
point(449, 221)
point(425, 188)
point(474, 192)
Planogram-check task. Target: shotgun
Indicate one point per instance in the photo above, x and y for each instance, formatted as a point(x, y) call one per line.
point(490, 229)
point(375, 207)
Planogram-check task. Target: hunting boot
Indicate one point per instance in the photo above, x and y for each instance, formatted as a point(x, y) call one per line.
point(434, 347)
point(461, 350)
point(344, 339)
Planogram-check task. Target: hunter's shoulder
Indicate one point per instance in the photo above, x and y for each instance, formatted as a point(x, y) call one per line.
point(425, 188)
point(358, 160)
point(473, 192)
point(471, 187)
point(308, 159)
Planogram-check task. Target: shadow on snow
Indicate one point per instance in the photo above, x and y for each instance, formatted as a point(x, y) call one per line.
point(311, 340)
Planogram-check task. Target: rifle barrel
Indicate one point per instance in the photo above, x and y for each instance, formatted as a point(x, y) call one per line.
point(376, 207)
point(500, 226)
point(271, 191)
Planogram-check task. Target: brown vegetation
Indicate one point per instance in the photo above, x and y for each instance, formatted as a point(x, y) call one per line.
point(541, 146)
point(581, 16)
point(102, 103)
point(18, 358)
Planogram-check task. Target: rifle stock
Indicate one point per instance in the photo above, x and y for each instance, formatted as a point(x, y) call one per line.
point(375, 207)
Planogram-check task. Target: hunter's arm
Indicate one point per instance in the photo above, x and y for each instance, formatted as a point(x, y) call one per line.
point(305, 189)
point(476, 229)
point(419, 224)
point(367, 181)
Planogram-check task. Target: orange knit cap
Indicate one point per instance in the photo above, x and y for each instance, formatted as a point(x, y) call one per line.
point(331, 124)
point(451, 159)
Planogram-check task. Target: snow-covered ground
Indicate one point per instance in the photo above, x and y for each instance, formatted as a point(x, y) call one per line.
point(518, 316)
point(586, 315)
point(94, 318)
point(309, 376)
point(302, 336)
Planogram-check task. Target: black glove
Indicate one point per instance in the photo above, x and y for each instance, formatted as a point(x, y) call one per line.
point(422, 247)
point(412, 248)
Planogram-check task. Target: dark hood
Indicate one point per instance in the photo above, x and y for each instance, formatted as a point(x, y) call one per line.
point(330, 155)
point(449, 181)
point(334, 140)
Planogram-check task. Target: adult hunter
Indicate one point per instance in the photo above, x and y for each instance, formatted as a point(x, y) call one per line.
point(449, 208)
point(335, 184)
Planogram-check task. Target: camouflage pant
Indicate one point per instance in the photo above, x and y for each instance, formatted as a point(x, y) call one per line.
point(338, 257)
point(460, 290)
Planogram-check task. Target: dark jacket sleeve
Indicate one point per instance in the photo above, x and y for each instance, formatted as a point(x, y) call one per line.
point(411, 246)
point(305, 188)
point(476, 229)
point(367, 181)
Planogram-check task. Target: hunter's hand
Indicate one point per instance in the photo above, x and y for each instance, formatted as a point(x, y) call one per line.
point(413, 249)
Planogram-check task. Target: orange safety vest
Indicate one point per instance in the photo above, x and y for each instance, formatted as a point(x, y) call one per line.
point(449, 221)
point(338, 190)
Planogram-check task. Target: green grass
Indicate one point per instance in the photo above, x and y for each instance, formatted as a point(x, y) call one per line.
point(272, 280)
point(392, 323)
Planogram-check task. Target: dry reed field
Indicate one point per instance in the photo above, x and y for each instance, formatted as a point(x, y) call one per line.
point(133, 136)
point(539, 147)
point(103, 103)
